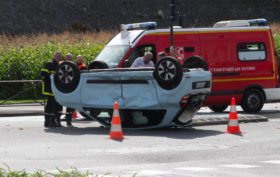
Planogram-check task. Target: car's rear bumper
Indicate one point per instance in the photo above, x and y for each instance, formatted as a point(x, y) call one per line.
point(185, 115)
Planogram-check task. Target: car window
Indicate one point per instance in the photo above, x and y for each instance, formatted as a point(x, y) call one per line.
point(251, 51)
point(112, 55)
point(139, 52)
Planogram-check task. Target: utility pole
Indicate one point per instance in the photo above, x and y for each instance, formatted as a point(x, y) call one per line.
point(172, 19)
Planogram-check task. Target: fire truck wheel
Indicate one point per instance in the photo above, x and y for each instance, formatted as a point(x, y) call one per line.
point(67, 77)
point(195, 62)
point(218, 108)
point(168, 73)
point(98, 65)
point(252, 101)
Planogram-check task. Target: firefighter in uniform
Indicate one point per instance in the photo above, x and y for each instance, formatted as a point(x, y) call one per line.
point(53, 108)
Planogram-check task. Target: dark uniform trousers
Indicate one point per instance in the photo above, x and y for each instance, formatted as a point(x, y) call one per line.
point(69, 112)
point(52, 112)
point(53, 108)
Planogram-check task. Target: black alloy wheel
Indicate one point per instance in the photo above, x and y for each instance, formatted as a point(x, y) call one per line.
point(252, 101)
point(195, 62)
point(168, 73)
point(97, 65)
point(67, 77)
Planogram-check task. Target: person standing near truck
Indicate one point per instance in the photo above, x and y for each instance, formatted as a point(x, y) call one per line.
point(173, 53)
point(80, 63)
point(161, 55)
point(53, 108)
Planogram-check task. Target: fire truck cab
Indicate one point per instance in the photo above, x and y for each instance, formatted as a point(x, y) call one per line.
point(240, 54)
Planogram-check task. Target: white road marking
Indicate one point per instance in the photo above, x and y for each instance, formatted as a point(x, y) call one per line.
point(240, 166)
point(22, 119)
point(156, 149)
point(272, 161)
point(273, 120)
point(196, 169)
point(152, 172)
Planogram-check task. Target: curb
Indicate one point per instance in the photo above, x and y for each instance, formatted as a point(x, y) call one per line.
point(216, 121)
point(33, 113)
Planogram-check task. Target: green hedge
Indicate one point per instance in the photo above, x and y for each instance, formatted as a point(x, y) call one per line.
point(25, 63)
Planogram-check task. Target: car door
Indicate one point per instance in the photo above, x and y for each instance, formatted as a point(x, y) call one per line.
point(100, 89)
point(138, 90)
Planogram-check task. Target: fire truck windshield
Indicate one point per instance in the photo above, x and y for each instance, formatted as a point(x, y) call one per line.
point(112, 55)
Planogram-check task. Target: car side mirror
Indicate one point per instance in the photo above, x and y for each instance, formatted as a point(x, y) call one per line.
point(126, 64)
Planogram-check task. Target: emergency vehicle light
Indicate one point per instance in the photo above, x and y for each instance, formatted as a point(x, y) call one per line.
point(260, 21)
point(144, 25)
point(241, 23)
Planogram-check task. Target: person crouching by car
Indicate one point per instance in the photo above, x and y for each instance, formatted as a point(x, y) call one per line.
point(145, 61)
point(53, 108)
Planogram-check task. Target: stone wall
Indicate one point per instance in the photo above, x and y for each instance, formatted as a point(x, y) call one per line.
point(31, 16)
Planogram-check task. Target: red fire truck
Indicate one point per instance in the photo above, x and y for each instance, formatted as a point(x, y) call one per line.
point(240, 54)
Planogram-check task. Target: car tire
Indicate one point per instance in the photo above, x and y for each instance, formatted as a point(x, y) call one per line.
point(252, 101)
point(218, 108)
point(97, 65)
point(195, 62)
point(168, 73)
point(67, 77)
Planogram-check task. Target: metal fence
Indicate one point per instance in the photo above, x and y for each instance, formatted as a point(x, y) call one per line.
point(33, 84)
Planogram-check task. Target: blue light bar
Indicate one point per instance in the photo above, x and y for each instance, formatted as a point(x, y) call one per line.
point(144, 25)
point(260, 22)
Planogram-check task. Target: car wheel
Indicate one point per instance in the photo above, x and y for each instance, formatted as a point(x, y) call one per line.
point(218, 108)
point(67, 77)
point(195, 62)
point(98, 65)
point(168, 73)
point(252, 101)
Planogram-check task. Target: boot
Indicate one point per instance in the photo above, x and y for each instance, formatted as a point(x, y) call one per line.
point(69, 120)
point(57, 121)
point(52, 121)
point(46, 123)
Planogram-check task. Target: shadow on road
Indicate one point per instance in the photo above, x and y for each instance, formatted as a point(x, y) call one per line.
point(174, 133)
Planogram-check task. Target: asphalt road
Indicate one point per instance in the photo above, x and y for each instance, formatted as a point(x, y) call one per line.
point(202, 151)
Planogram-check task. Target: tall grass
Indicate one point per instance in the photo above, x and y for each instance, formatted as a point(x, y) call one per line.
point(65, 37)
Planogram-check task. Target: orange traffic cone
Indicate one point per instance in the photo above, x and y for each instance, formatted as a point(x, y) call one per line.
point(74, 115)
point(116, 127)
point(233, 125)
